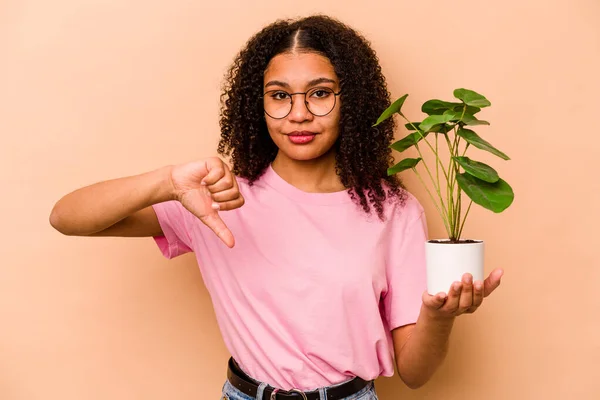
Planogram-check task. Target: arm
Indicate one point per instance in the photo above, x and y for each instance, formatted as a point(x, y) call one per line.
point(122, 207)
point(422, 347)
point(118, 207)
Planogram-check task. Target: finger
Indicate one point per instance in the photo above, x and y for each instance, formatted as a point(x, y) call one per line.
point(216, 224)
point(226, 195)
point(231, 205)
point(477, 296)
point(224, 183)
point(466, 297)
point(492, 282)
point(216, 170)
point(434, 302)
point(453, 298)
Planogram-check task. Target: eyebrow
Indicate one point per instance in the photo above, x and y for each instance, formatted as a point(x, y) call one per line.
point(311, 83)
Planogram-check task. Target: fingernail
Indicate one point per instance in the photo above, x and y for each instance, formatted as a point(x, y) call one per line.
point(216, 206)
point(469, 279)
point(478, 285)
point(456, 286)
point(203, 183)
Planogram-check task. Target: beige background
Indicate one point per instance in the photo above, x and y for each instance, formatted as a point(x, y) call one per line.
point(96, 89)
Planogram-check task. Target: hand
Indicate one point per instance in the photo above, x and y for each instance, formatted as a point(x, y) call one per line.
point(463, 297)
point(204, 187)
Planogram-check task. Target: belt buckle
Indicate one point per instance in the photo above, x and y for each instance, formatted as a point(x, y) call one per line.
point(300, 392)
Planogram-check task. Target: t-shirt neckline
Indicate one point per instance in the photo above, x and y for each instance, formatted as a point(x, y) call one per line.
point(272, 178)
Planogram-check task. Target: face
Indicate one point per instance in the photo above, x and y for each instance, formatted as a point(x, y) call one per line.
point(301, 135)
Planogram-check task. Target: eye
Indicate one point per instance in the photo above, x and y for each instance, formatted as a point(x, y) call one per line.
point(321, 93)
point(279, 95)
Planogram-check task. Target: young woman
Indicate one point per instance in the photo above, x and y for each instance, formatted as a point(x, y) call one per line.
point(313, 256)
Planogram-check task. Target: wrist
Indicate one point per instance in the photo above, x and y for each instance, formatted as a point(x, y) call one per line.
point(435, 317)
point(165, 190)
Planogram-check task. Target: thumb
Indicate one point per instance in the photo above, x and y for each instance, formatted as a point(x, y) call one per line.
point(434, 302)
point(492, 281)
point(216, 224)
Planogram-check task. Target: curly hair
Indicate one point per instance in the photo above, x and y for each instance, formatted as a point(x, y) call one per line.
point(362, 151)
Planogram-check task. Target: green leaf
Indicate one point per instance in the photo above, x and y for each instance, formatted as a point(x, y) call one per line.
point(408, 141)
point(405, 164)
point(441, 128)
point(454, 115)
point(470, 109)
point(430, 122)
point(391, 110)
point(478, 169)
point(470, 119)
point(497, 196)
point(466, 118)
point(410, 125)
point(437, 107)
point(474, 139)
point(471, 98)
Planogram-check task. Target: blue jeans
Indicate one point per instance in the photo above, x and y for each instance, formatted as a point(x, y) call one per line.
point(231, 393)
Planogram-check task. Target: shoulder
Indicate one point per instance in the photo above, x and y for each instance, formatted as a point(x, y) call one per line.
point(404, 208)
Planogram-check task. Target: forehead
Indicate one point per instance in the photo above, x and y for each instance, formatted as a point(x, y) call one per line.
point(299, 68)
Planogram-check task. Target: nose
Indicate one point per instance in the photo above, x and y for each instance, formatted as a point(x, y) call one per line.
point(299, 112)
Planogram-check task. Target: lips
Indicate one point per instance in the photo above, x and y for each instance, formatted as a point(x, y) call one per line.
point(301, 133)
point(301, 137)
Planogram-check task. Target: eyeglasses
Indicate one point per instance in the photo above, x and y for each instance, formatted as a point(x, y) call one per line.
point(319, 101)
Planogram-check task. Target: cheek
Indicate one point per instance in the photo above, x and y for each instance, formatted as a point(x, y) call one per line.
point(333, 124)
point(273, 126)
point(333, 128)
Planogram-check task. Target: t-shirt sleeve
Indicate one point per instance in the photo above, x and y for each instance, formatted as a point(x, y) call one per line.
point(174, 220)
point(406, 270)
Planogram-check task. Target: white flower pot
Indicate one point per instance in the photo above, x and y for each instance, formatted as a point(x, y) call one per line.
point(448, 262)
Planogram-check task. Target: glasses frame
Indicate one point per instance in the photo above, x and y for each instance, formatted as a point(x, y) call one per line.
point(335, 95)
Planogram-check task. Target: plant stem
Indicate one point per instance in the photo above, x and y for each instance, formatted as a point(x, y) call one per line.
point(457, 214)
point(450, 188)
point(437, 188)
point(456, 221)
point(443, 215)
point(464, 219)
point(437, 164)
point(466, 147)
point(428, 144)
point(458, 190)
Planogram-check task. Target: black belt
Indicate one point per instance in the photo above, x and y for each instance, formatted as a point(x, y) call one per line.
point(249, 386)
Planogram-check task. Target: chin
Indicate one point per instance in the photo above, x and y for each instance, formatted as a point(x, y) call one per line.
point(305, 153)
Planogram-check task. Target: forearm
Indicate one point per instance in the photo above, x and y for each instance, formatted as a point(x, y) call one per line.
point(96, 207)
point(425, 349)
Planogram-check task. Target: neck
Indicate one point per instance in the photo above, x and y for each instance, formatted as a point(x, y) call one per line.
point(313, 176)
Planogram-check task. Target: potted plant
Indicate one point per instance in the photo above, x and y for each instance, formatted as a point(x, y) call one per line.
point(451, 124)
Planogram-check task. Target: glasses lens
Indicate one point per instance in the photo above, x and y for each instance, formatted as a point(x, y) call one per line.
point(320, 101)
point(277, 103)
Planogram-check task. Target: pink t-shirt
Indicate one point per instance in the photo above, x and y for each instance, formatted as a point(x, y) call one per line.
point(309, 294)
